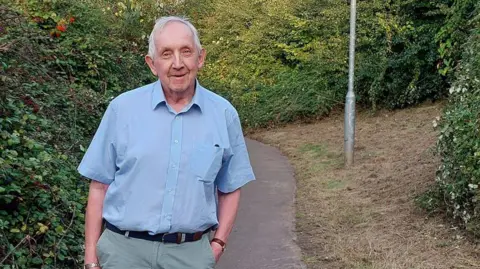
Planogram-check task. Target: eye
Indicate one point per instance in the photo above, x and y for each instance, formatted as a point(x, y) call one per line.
point(187, 51)
point(166, 54)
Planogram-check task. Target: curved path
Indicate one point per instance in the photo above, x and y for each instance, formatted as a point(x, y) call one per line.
point(263, 236)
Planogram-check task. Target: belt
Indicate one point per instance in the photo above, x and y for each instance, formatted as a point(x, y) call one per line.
point(162, 237)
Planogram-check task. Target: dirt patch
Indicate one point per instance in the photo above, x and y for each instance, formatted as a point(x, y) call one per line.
point(366, 217)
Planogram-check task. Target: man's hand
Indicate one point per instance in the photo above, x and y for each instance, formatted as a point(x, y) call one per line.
point(217, 251)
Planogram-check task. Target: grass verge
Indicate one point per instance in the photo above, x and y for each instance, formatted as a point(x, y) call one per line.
point(366, 216)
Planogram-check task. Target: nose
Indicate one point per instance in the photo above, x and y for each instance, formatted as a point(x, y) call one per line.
point(178, 61)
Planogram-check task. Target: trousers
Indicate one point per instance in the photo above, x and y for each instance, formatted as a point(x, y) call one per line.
point(116, 251)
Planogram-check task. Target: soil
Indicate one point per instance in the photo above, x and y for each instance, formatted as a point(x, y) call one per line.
point(366, 216)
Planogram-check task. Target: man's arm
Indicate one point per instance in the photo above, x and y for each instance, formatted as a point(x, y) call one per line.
point(227, 212)
point(93, 219)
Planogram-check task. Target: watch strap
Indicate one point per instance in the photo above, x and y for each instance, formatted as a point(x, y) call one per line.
point(220, 242)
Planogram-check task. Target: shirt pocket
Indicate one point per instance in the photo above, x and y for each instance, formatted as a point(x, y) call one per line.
point(205, 162)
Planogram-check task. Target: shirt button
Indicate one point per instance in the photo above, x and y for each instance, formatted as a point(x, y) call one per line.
point(176, 141)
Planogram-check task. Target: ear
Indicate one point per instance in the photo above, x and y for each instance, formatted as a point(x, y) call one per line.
point(149, 61)
point(201, 58)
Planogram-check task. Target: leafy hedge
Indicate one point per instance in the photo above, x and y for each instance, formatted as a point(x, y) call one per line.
point(398, 60)
point(61, 62)
point(459, 140)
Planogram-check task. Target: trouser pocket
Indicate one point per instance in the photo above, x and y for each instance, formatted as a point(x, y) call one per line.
point(209, 251)
point(115, 251)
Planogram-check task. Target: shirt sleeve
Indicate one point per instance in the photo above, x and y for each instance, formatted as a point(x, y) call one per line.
point(99, 161)
point(236, 170)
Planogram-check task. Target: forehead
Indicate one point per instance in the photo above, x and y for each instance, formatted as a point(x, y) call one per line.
point(174, 34)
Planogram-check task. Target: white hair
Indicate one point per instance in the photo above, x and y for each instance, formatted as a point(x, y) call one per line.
point(161, 23)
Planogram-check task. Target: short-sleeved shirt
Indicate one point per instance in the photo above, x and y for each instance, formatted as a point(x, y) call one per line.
point(163, 168)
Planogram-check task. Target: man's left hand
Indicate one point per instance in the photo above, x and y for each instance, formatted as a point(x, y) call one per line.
point(217, 251)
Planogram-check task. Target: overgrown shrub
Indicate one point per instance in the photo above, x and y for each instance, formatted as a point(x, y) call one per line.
point(453, 34)
point(459, 140)
point(262, 50)
point(303, 93)
point(60, 64)
point(397, 52)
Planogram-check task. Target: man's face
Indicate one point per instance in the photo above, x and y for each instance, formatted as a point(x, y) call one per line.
point(177, 59)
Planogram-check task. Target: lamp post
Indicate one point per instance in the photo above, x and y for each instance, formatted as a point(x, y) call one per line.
point(350, 98)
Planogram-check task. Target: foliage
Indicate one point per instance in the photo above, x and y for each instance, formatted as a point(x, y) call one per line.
point(56, 82)
point(277, 61)
point(459, 140)
point(299, 94)
point(257, 48)
point(397, 53)
point(453, 33)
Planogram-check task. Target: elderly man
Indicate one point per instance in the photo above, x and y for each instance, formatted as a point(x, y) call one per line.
point(166, 163)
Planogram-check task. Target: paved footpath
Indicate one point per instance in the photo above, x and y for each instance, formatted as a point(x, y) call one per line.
point(263, 235)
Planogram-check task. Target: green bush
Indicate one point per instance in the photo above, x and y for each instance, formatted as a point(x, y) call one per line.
point(259, 53)
point(453, 33)
point(397, 52)
point(459, 139)
point(303, 93)
point(57, 74)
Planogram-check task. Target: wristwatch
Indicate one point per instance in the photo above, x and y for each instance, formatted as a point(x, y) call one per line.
point(220, 242)
point(91, 265)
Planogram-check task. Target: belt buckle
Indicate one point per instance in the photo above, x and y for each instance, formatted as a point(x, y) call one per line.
point(163, 237)
point(180, 237)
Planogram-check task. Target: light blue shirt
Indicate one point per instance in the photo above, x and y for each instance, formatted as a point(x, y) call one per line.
point(163, 168)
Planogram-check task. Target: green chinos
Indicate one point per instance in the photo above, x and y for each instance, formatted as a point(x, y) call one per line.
point(116, 251)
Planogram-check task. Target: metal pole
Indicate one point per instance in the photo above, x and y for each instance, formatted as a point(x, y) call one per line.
point(350, 98)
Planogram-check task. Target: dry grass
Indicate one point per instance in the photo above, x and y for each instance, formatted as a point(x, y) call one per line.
point(365, 217)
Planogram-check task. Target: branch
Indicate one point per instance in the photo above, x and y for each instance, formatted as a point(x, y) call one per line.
point(27, 237)
point(5, 47)
point(61, 238)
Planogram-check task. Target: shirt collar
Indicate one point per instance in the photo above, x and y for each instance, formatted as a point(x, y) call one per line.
point(158, 96)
